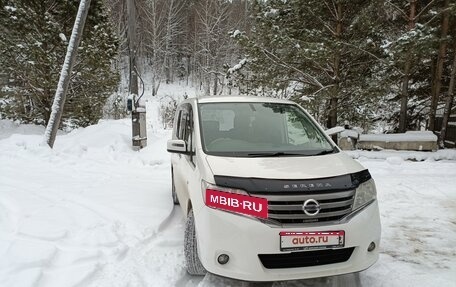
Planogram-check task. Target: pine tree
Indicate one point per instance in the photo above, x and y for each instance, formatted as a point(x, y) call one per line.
point(33, 40)
point(413, 38)
point(408, 42)
point(321, 53)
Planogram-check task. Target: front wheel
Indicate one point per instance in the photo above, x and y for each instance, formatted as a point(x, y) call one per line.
point(194, 266)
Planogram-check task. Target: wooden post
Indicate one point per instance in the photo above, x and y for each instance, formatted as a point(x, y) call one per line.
point(138, 113)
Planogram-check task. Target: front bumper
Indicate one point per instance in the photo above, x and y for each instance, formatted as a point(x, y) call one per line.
point(243, 239)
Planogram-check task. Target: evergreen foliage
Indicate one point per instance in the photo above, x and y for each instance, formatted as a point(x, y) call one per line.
point(345, 60)
point(317, 52)
point(414, 40)
point(33, 40)
point(379, 64)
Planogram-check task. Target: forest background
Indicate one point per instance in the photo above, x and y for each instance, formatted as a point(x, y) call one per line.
point(382, 65)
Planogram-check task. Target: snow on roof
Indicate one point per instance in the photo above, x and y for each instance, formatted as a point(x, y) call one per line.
point(349, 133)
point(408, 136)
point(445, 154)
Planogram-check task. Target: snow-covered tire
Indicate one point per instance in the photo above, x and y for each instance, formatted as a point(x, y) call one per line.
point(173, 190)
point(194, 266)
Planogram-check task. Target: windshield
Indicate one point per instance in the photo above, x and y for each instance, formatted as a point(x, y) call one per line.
point(259, 129)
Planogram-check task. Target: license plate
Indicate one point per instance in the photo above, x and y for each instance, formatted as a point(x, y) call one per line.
point(311, 240)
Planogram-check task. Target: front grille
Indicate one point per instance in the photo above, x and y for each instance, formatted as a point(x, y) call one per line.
point(287, 209)
point(305, 258)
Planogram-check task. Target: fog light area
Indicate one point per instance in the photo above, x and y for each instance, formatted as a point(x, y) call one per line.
point(371, 247)
point(223, 259)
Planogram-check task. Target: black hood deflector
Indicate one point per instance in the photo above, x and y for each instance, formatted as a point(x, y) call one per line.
point(292, 186)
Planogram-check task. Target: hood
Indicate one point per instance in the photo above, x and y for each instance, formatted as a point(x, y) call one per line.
point(306, 167)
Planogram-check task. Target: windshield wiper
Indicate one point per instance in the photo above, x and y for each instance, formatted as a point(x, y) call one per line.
point(284, 153)
point(274, 154)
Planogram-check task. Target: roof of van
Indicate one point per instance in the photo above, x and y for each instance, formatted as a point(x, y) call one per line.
point(250, 99)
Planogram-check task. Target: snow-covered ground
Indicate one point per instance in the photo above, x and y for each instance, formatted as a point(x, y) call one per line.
point(80, 213)
point(92, 212)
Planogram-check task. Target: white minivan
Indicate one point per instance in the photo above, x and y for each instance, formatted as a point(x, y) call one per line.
point(267, 194)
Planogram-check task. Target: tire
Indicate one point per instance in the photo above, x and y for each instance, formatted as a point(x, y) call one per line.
point(173, 190)
point(193, 263)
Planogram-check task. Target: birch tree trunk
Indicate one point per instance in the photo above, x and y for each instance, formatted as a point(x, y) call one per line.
point(168, 39)
point(65, 74)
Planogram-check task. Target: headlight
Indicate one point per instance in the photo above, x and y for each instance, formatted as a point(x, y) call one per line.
point(365, 193)
point(208, 186)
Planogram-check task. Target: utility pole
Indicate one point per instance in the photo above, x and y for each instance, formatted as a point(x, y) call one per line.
point(138, 110)
point(65, 74)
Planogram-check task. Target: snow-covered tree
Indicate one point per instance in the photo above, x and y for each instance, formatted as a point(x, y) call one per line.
point(33, 39)
point(415, 37)
point(321, 53)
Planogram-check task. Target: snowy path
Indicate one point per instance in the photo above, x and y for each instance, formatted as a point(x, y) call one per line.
point(92, 212)
point(75, 215)
point(158, 253)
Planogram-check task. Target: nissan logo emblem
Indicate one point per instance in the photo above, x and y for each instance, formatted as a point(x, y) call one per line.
point(311, 207)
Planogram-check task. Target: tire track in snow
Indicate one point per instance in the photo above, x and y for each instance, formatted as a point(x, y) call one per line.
point(150, 261)
point(165, 224)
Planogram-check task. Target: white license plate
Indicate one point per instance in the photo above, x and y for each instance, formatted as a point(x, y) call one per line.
point(311, 240)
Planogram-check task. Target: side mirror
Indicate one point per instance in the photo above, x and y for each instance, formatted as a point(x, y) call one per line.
point(177, 146)
point(334, 130)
